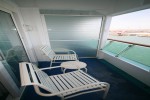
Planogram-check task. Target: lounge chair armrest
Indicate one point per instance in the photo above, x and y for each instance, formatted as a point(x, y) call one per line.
point(61, 50)
point(64, 50)
point(37, 90)
point(50, 68)
point(72, 51)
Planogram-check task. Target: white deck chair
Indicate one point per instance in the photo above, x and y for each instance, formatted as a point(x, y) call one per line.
point(65, 85)
point(69, 55)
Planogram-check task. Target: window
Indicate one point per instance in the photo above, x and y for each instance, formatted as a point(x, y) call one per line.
point(129, 38)
point(132, 27)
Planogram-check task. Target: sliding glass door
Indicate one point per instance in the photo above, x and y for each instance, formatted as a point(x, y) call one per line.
point(79, 33)
point(11, 48)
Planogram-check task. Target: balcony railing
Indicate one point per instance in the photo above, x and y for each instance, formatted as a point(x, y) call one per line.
point(136, 53)
point(130, 42)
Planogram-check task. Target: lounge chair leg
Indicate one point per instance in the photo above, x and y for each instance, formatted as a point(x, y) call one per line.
point(62, 98)
point(64, 70)
point(106, 91)
point(51, 63)
point(85, 70)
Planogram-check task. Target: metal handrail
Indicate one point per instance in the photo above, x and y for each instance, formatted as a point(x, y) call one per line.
point(124, 50)
point(129, 42)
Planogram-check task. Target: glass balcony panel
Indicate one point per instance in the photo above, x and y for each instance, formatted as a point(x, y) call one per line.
point(138, 54)
point(115, 47)
point(73, 27)
point(83, 48)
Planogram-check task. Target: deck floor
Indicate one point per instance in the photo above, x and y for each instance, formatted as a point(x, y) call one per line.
point(120, 88)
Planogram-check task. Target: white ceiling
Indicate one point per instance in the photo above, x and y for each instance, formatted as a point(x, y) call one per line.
point(104, 7)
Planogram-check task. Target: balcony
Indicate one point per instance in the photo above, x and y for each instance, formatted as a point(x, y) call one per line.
point(81, 25)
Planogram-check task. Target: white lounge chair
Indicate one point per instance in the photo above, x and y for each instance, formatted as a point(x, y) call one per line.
point(65, 85)
point(69, 55)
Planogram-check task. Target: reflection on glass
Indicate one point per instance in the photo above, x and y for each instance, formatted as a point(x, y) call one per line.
point(73, 27)
point(81, 31)
point(10, 46)
point(83, 48)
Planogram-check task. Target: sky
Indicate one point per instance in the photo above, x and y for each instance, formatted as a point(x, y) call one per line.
point(134, 20)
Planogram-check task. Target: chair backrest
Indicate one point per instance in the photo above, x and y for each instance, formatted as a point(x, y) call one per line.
point(32, 75)
point(48, 51)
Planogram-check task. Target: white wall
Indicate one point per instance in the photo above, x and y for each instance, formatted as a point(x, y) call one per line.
point(138, 73)
point(104, 30)
point(24, 37)
point(34, 28)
